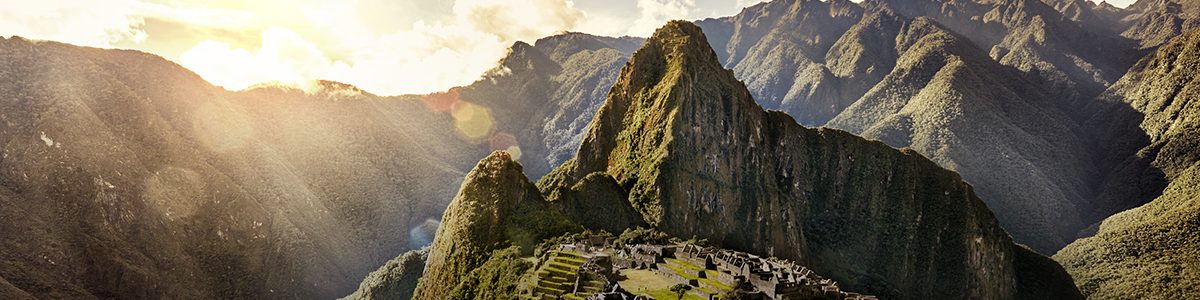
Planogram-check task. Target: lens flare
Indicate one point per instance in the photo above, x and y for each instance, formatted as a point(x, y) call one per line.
point(505, 142)
point(473, 122)
point(441, 102)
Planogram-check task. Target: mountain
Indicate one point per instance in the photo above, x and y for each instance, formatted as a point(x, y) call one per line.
point(1102, 17)
point(496, 220)
point(1074, 61)
point(1145, 125)
point(128, 176)
point(488, 213)
point(397, 279)
point(1154, 22)
point(1152, 119)
point(1150, 23)
point(542, 96)
point(914, 84)
point(1145, 252)
point(693, 155)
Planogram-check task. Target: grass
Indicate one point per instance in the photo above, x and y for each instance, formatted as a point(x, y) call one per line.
point(685, 264)
point(648, 283)
point(688, 271)
point(712, 275)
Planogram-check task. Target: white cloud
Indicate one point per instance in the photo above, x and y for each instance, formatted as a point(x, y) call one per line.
point(520, 19)
point(655, 13)
point(284, 57)
point(428, 57)
point(304, 40)
point(746, 3)
point(88, 23)
point(236, 44)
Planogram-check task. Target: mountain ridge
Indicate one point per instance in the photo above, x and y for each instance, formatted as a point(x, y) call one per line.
point(912, 83)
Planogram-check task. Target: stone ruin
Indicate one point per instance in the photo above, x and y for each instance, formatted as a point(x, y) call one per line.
point(588, 270)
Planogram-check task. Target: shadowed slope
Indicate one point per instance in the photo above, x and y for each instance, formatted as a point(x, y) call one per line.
point(1151, 128)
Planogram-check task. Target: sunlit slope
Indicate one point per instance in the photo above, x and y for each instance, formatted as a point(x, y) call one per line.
point(125, 175)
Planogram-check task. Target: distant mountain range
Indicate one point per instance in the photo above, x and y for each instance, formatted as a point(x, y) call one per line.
point(134, 178)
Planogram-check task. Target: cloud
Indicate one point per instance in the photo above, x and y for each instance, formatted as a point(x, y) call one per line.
point(88, 23)
point(284, 57)
point(236, 44)
point(434, 56)
point(427, 57)
point(655, 13)
point(747, 3)
point(518, 20)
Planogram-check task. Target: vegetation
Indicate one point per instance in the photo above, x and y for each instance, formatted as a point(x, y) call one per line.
point(740, 291)
point(680, 289)
point(1146, 252)
point(496, 278)
point(642, 235)
point(569, 238)
point(394, 280)
point(1152, 126)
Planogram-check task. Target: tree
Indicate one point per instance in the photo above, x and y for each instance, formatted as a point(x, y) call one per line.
point(680, 289)
point(741, 291)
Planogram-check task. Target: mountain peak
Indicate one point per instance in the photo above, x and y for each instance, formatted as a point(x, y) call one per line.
point(658, 88)
point(685, 40)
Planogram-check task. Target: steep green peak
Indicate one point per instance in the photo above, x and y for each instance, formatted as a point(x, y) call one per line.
point(479, 220)
point(674, 73)
point(498, 164)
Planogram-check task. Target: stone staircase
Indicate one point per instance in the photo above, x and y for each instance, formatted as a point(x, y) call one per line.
point(558, 275)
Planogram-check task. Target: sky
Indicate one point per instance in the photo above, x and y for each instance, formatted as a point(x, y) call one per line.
point(384, 47)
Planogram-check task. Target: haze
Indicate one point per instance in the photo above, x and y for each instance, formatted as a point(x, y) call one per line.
point(385, 47)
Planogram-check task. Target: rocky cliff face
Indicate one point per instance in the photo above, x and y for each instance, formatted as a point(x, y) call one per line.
point(699, 158)
point(128, 176)
point(914, 84)
point(1152, 120)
